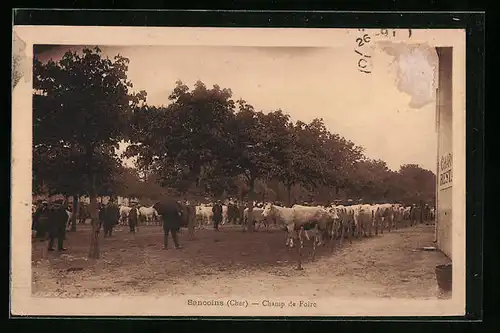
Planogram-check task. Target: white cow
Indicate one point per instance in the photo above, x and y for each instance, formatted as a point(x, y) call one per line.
point(257, 216)
point(406, 213)
point(346, 222)
point(204, 214)
point(315, 217)
point(363, 219)
point(398, 215)
point(299, 219)
point(336, 214)
point(382, 217)
point(224, 214)
point(148, 214)
point(283, 216)
point(124, 211)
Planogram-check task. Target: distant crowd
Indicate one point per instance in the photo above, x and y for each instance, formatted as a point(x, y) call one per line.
point(51, 220)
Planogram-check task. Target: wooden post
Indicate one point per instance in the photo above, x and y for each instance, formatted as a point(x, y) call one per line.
point(315, 241)
point(299, 247)
point(333, 234)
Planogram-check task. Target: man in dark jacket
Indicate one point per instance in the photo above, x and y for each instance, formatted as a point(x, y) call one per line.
point(101, 212)
point(217, 217)
point(133, 217)
point(232, 212)
point(57, 225)
point(40, 221)
point(172, 216)
point(111, 217)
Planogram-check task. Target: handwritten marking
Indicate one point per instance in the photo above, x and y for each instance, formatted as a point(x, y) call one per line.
point(359, 63)
point(361, 54)
point(362, 41)
point(366, 39)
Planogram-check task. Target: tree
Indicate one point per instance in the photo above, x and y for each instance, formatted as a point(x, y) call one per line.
point(203, 143)
point(417, 184)
point(253, 146)
point(186, 141)
point(81, 104)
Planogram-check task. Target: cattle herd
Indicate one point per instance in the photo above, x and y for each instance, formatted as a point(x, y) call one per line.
point(334, 222)
point(327, 224)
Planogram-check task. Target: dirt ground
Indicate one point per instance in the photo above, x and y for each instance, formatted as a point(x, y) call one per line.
point(232, 262)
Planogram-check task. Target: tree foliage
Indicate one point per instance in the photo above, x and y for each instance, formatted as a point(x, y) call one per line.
point(203, 143)
point(206, 143)
point(81, 106)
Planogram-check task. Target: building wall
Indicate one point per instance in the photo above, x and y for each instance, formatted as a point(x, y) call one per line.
point(445, 152)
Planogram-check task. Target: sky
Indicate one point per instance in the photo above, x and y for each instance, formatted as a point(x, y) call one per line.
point(390, 112)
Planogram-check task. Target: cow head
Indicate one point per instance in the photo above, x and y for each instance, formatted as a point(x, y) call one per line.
point(267, 212)
point(332, 211)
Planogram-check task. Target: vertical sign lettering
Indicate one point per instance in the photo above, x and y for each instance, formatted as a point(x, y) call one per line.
point(446, 171)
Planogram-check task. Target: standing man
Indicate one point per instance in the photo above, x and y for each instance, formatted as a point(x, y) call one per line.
point(111, 217)
point(171, 214)
point(133, 217)
point(241, 212)
point(217, 217)
point(232, 212)
point(41, 220)
point(57, 225)
point(101, 214)
point(249, 220)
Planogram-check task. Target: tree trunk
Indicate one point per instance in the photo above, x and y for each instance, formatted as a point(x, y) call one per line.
point(75, 213)
point(94, 216)
point(289, 193)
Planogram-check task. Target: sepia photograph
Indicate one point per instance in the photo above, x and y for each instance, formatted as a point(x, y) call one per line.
point(241, 172)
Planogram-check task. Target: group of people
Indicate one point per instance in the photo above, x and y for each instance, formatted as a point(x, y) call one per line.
point(170, 211)
point(109, 215)
point(50, 220)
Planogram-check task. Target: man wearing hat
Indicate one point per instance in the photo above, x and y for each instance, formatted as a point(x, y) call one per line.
point(101, 212)
point(171, 213)
point(217, 217)
point(111, 217)
point(57, 224)
point(40, 220)
point(133, 217)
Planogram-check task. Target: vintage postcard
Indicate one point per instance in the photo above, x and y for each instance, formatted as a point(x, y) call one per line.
point(238, 172)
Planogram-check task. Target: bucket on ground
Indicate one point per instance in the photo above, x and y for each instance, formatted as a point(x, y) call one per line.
point(444, 277)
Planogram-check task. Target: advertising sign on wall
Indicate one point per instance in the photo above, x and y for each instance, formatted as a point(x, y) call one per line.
point(446, 171)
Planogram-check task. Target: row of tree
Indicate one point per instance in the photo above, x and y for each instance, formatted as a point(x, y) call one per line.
point(203, 143)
